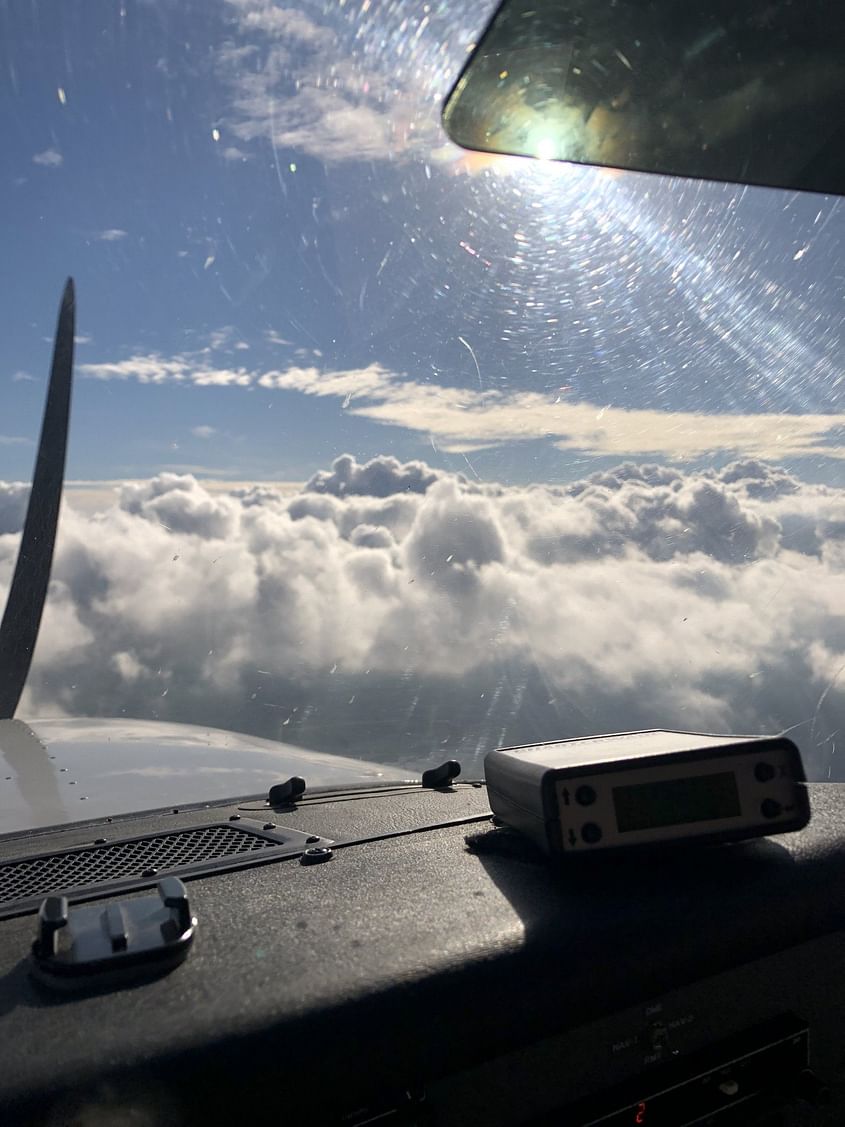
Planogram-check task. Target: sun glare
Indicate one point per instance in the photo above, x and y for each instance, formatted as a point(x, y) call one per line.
point(546, 149)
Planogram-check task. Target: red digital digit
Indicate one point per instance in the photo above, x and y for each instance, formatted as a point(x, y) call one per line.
point(640, 1116)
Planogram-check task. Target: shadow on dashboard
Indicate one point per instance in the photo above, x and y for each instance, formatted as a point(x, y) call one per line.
point(620, 929)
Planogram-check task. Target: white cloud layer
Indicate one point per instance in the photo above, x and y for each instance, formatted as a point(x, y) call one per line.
point(395, 612)
point(464, 419)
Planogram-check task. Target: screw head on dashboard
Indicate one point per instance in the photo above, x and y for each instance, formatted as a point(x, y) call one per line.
point(316, 856)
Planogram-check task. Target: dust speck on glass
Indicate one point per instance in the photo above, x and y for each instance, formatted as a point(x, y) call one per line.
point(387, 449)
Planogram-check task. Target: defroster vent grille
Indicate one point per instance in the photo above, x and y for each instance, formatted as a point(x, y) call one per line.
point(76, 870)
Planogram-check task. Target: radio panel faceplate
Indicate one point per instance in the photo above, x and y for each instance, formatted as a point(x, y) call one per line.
point(609, 793)
point(659, 802)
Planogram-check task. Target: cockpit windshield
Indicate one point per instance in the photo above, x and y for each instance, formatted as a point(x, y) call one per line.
point(391, 450)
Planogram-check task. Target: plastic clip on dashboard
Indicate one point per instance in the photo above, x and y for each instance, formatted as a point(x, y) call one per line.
point(91, 945)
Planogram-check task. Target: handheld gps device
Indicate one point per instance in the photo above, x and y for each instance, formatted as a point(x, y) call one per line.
point(612, 793)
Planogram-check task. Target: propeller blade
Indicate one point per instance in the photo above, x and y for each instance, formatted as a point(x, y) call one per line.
point(28, 592)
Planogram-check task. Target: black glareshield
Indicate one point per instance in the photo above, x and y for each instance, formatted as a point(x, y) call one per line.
point(28, 591)
point(750, 92)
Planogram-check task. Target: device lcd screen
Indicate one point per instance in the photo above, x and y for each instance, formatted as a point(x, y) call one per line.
point(675, 802)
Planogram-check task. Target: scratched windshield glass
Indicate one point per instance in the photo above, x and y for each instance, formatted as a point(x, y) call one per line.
point(393, 451)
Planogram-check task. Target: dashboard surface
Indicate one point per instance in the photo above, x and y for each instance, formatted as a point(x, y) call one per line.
point(437, 969)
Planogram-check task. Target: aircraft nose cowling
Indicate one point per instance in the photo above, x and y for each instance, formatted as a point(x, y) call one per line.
point(67, 770)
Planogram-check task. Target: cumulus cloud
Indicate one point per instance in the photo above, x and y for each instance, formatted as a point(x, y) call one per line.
point(464, 419)
point(111, 235)
point(14, 440)
point(393, 611)
point(49, 158)
point(380, 477)
point(180, 504)
point(203, 431)
point(23, 377)
point(13, 498)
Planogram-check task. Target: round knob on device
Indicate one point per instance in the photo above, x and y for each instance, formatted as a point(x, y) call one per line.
point(770, 808)
point(585, 795)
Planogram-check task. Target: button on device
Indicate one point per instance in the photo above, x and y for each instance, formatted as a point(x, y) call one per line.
point(770, 808)
point(591, 833)
point(585, 796)
point(764, 772)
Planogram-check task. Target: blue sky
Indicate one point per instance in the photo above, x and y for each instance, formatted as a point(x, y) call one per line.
point(238, 187)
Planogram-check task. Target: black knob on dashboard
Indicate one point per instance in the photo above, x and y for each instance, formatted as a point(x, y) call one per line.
point(811, 1089)
point(52, 917)
point(441, 776)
